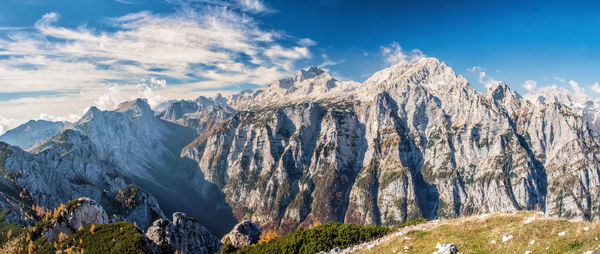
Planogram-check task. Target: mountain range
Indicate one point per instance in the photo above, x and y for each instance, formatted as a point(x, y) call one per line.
point(414, 140)
point(32, 133)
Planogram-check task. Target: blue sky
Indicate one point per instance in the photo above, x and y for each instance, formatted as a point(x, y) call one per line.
point(59, 57)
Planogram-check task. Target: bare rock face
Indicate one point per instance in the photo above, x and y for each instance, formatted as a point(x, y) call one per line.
point(414, 140)
point(243, 234)
point(86, 212)
point(77, 214)
point(183, 234)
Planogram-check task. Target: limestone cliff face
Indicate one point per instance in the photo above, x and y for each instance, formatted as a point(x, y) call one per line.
point(413, 140)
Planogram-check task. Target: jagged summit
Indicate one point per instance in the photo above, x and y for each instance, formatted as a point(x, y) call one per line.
point(312, 76)
point(428, 65)
point(308, 84)
point(308, 73)
point(499, 90)
point(139, 104)
point(313, 84)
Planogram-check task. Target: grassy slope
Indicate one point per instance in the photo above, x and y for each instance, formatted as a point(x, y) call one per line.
point(474, 235)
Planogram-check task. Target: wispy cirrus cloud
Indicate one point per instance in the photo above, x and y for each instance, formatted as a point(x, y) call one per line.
point(249, 6)
point(199, 47)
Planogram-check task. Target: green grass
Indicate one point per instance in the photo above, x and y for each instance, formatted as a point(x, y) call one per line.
point(410, 223)
point(120, 237)
point(475, 235)
point(321, 238)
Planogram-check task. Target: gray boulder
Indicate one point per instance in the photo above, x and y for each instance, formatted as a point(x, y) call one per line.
point(446, 249)
point(244, 233)
point(183, 234)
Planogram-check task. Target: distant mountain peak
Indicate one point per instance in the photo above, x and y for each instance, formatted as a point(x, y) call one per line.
point(498, 90)
point(32, 133)
point(139, 104)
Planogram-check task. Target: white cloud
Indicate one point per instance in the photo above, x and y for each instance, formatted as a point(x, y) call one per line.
point(256, 6)
point(200, 48)
point(145, 46)
point(576, 88)
point(285, 57)
point(563, 90)
point(476, 69)
point(530, 85)
point(68, 118)
point(7, 124)
point(306, 42)
point(595, 87)
point(328, 62)
point(125, 1)
point(484, 78)
point(395, 54)
point(117, 94)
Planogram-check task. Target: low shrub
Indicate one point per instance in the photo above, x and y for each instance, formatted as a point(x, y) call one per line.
point(321, 238)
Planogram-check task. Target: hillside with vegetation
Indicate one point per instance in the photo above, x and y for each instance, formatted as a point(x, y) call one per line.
point(522, 232)
point(317, 238)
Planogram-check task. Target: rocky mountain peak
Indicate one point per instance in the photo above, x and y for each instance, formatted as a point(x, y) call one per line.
point(138, 106)
point(499, 91)
point(415, 72)
point(89, 114)
point(308, 73)
point(308, 84)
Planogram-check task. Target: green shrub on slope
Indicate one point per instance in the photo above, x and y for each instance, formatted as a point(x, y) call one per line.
point(321, 238)
point(120, 237)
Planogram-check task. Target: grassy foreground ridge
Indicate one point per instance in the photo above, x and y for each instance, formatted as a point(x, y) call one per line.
point(522, 232)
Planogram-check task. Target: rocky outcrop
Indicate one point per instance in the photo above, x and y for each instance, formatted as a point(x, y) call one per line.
point(245, 233)
point(77, 214)
point(182, 234)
